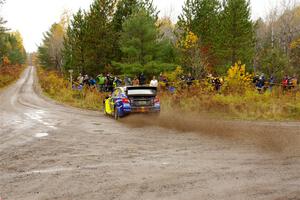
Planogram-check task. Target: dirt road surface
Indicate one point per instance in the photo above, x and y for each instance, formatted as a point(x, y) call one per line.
point(52, 152)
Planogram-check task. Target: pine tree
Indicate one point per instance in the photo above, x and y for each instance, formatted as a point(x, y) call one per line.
point(16, 54)
point(74, 44)
point(124, 10)
point(100, 35)
point(237, 32)
point(149, 7)
point(201, 18)
point(143, 48)
point(186, 19)
point(138, 41)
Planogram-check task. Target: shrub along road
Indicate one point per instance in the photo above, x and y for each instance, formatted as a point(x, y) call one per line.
point(49, 151)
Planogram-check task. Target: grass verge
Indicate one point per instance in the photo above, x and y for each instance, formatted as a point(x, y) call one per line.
point(249, 106)
point(59, 89)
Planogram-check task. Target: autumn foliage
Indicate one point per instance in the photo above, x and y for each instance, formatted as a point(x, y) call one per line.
point(9, 73)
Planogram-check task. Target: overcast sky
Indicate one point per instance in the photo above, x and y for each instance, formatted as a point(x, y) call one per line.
point(33, 17)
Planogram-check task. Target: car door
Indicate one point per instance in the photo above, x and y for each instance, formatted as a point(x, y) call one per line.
point(114, 97)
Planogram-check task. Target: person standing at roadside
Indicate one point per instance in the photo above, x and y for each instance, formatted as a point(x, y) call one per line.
point(142, 79)
point(117, 82)
point(294, 81)
point(154, 82)
point(135, 81)
point(189, 80)
point(271, 83)
point(285, 82)
point(101, 82)
point(127, 81)
point(86, 80)
point(80, 79)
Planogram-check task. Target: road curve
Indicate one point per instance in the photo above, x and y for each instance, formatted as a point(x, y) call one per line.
point(49, 151)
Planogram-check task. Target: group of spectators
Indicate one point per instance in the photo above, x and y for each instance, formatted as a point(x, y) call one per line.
point(287, 83)
point(107, 83)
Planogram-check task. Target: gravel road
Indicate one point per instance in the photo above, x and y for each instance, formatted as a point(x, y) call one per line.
point(53, 152)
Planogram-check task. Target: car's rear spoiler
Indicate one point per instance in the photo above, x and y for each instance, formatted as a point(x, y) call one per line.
point(129, 91)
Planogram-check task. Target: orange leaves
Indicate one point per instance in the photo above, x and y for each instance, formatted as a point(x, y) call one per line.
point(5, 61)
point(9, 74)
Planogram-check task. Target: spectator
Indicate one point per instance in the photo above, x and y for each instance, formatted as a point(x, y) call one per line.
point(271, 83)
point(218, 84)
point(127, 81)
point(294, 81)
point(154, 82)
point(255, 80)
point(161, 77)
point(260, 83)
point(101, 82)
point(189, 80)
point(92, 83)
point(135, 81)
point(117, 82)
point(109, 81)
point(142, 79)
point(80, 79)
point(86, 80)
point(285, 82)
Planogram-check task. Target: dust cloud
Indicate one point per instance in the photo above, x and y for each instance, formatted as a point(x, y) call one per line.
point(278, 137)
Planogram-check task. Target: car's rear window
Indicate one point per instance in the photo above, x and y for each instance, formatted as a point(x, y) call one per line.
point(140, 92)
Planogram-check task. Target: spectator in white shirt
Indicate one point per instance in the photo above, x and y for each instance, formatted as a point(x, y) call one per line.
point(154, 82)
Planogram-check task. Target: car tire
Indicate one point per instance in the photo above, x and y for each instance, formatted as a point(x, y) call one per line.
point(116, 114)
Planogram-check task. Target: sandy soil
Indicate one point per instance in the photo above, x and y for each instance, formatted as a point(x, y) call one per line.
point(48, 151)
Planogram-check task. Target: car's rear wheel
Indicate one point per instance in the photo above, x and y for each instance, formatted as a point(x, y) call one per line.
point(116, 114)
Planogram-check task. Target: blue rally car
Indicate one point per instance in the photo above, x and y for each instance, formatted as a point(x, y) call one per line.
point(133, 99)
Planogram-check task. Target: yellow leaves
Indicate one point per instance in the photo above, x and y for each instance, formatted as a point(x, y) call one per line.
point(238, 72)
point(175, 75)
point(189, 41)
point(295, 44)
point(238, 79)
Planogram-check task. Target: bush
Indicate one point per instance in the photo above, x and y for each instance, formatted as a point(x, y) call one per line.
point(251, 105)
point(9, 73)
point(237, 80)
point(56, 87)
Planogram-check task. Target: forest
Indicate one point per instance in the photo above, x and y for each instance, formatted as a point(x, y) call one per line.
point(129, 37)
point(211, 40)
point(12, 53)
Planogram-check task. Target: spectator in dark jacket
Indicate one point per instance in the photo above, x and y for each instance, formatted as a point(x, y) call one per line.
point(142, 79)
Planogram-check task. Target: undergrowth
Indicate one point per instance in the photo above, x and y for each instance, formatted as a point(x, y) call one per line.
point(9, 74)
point(59, 89)
point(247, 105)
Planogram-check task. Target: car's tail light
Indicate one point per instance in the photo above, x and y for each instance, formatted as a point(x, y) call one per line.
point(125, 100)
point(156, 100)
